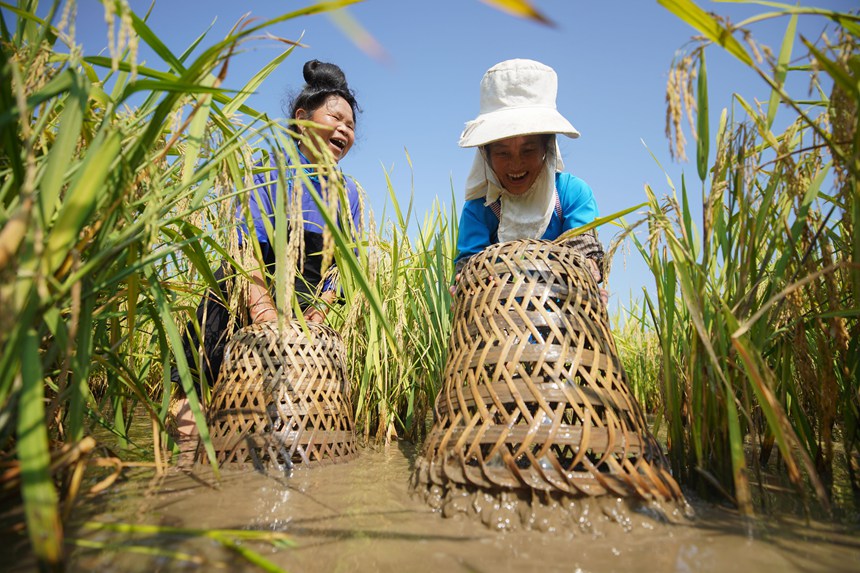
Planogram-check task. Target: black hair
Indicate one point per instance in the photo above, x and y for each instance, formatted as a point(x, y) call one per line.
point(321, 81)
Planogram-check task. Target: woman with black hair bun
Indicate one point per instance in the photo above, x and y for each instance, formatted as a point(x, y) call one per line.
point(324, 130)
point(327, 101)
point(328, 108)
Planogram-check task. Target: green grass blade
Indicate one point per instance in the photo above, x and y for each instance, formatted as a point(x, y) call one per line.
point(58, 85)
point(11, 143)
point(739, 466)
point(777, 418)
point(193, 46)
point(836, 72)
point(344, 245)
point(81, 365)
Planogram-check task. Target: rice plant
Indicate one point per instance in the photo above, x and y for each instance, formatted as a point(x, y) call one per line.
point(756, 303)
point(639, 351)
point(117, 180)
point(396, 319)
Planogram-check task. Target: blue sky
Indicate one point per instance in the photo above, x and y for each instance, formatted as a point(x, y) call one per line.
point(611, 56)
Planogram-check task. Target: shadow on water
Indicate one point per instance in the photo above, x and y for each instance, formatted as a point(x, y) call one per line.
point(361, 516)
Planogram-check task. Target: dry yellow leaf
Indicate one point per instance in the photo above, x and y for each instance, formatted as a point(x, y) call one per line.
point(521, 9)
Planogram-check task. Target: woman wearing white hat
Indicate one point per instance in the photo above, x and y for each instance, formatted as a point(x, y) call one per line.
point(516, 188)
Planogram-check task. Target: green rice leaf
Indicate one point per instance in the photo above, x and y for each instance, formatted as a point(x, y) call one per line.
point(62, 83)
point(739, 466)
point(29, 23)
point(190, 245)
point(9, 140)
point(781, 69)
point(63, 150)
point(778, 422)
point(193, 46)
point(690, 13)
point(343, 245)
point(176, 87)
point(82, 197)
point(598, 222)
point(162, 307)
point(703, 137)
point(147, 35)
point(850, 25)
point(37, 487)
point(81, 364)
point(196, 133)
point(843, 79)
point(254, 83)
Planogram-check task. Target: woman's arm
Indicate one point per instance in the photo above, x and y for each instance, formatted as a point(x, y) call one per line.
point(260, 304)
point(475, 233)
point(579, 207)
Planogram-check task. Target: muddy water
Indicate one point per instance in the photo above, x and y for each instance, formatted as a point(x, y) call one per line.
point(361, 516)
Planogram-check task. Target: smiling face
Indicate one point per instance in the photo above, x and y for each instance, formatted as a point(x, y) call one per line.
point(517, 161)
point(336, 128)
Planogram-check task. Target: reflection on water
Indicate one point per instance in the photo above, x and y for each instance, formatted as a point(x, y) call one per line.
point(360, 516)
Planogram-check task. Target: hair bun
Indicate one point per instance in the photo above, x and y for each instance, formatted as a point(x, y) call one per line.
point(322, 75)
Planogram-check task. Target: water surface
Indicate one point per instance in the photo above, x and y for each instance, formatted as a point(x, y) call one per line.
point(361, 516)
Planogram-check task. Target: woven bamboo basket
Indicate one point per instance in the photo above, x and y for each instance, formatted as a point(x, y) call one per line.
point(282, 398)
point(534, 396)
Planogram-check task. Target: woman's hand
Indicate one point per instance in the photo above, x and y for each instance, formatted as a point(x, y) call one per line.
point(453, 288)
point(604, 296)
point(595, 272)
point(317, 314)
point(314, 314)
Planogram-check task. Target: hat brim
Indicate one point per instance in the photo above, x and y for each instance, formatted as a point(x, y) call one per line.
point(511, 122)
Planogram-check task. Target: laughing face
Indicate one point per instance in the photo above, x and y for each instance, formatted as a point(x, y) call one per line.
point(517, 161)
point(335, 129)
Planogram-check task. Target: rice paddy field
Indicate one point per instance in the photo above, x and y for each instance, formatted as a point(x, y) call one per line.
point(118, 188)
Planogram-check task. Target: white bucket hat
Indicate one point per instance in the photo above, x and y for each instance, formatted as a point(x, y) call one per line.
point(517, 98)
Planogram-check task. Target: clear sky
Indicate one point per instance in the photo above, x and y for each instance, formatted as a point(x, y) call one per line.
point(611, 56)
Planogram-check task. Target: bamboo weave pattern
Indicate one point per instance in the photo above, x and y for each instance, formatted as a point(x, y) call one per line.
point(534, 395)
point(283, 398)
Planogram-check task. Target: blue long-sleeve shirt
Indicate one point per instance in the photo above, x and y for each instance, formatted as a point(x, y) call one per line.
point(479, 225)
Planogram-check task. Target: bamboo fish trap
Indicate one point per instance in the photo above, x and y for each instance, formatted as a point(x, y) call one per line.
point(534, 396)
point(282, 398)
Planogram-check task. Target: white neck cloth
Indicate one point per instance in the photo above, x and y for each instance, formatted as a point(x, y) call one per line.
point(524, 216)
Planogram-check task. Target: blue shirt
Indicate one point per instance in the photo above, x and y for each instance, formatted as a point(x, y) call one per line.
point(479, 226)
point(261, 203)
